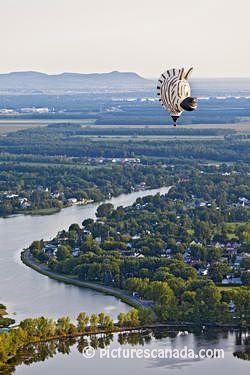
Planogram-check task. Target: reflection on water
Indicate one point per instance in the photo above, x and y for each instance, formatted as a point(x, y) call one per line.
point(244, 340)
point(234, 343)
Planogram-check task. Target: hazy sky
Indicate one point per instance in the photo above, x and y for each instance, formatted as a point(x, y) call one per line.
point(144, 36)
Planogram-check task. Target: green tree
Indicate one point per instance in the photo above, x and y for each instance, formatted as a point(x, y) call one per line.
point(94, 320)
point(82, 321)
point(63, 252)
point(104, 210)
point(63, 325)
point(218, 271)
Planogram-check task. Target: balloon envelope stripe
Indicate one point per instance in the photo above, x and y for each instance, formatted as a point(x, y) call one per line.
point(173, 88)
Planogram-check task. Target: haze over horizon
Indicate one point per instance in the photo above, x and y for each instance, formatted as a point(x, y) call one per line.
point(144, 37)
point(109, 72)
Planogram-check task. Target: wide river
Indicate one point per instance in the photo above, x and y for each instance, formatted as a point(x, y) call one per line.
point(28, 293)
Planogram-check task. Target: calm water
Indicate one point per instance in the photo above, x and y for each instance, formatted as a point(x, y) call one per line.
point(64, 357)
point(28, 293)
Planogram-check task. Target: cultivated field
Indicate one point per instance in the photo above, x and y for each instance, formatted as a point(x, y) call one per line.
point(7, 126)
point(241, 127)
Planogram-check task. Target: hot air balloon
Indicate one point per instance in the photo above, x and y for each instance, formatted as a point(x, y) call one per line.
point(174, 92)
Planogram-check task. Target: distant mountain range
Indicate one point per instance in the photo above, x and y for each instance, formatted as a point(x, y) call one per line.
point(72, 81)
point(68, 83)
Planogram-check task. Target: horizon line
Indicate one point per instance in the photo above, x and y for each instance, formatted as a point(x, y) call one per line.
point(117, 71)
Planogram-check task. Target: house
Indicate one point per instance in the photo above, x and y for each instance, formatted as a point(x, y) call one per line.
point(11, 196)
point(192, 243)
point(50, 249)
point(72, 200)
point(128, 253)
point(230, 279)
point(231, 306)
point(233, 245)
point(139, 206)
point(86, 232)
point(231, 251)
point(238, 261)
point(243, 201)
point(167, 251)
point(203, 204)
point(203, 271)
point(187, 256)
point(55, 195)
point(24, 203)
point(76, 252)
point(136, 237)
point(135, 294)
point(138, 255)
point(218, 245)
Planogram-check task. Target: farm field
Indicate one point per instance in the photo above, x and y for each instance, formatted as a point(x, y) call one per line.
point(7, 126)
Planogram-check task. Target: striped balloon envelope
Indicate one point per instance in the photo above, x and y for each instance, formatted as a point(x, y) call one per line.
point(174, 92)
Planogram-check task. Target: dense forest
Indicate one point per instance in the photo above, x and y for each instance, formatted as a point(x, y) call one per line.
point(73, 141)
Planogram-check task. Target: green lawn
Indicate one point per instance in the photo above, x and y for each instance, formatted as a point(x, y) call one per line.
point(42, 211)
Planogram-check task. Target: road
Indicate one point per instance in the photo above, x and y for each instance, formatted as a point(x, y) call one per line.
point(127, 298)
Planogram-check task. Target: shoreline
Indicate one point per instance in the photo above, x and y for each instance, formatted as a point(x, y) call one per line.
point(121, 295)
point(129, 300)
point(54, 210)
point(149, 328)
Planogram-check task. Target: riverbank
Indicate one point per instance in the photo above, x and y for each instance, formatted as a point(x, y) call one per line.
point(40, 211)
point(52, 296)
point(59, 331)
point(53, 210)
point(27, 259)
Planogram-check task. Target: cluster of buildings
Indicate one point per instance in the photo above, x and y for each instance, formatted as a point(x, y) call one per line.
point(51, 250)
point(39, 110)
point(22, 202)
point(231, 255)
point(119, 160)
point(243, 202)
point(25, 203)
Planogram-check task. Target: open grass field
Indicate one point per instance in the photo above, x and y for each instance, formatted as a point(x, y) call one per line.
point(154, 138)
point(7, 126)
point(241, 126)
